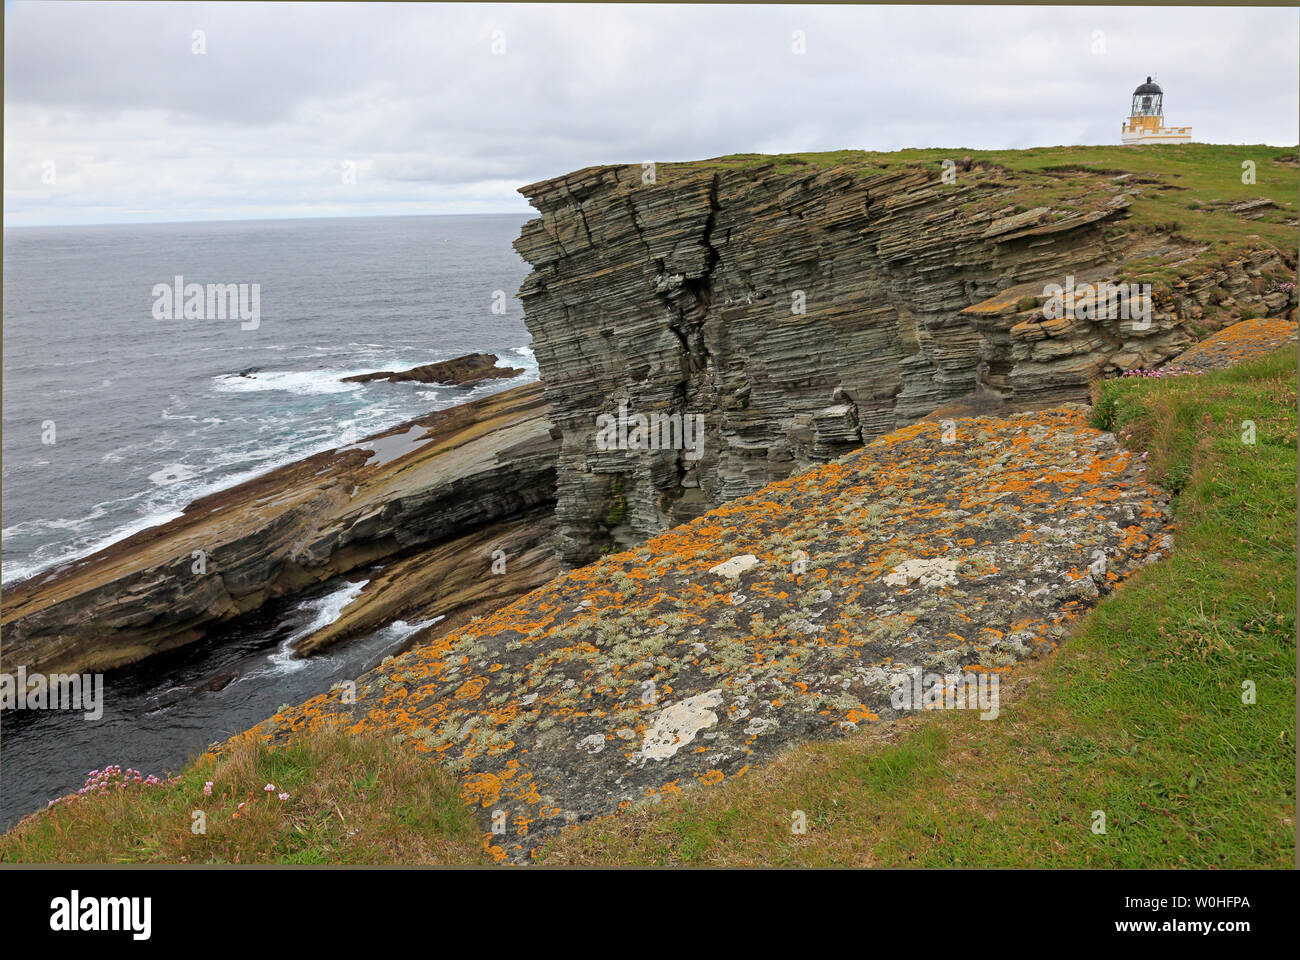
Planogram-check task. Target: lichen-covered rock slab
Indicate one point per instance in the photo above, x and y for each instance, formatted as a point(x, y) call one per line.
point(1238, 342)
point(952, 551)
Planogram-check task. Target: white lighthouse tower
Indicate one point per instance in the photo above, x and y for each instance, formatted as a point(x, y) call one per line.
point(1146, 122)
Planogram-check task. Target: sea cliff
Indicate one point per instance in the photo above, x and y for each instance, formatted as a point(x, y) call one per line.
point(805, 305)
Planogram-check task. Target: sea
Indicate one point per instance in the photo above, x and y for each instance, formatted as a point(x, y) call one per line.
point(118, 411)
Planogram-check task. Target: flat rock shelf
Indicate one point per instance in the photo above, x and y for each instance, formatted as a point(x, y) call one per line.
point(431, 499)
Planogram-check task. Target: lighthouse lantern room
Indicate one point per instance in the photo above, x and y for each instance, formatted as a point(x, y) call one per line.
point(1146, 122)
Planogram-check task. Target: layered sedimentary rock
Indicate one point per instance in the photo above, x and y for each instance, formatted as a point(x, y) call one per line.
point(1035, 359)
point(800, 612)
point(803, 313)
point(466, 371)
point(431, 501)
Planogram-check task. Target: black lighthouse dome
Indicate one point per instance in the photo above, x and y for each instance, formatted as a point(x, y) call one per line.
point(1148, 100)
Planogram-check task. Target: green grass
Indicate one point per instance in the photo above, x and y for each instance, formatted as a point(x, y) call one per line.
point(1140, 714)
point(352, 800)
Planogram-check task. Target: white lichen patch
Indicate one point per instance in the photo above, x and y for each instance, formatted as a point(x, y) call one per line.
point(735, 566)
point(677, 725)
point(935, 572)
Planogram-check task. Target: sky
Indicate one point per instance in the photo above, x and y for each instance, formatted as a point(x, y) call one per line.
point(141, 112)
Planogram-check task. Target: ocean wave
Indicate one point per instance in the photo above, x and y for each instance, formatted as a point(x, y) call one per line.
point(305, 382)
point(39, 562)
point(288, 381)
point(275, 442)
point(30, 526)
point(158, 504)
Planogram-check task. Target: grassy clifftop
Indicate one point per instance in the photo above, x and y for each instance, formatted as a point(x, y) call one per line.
point(1196, 190)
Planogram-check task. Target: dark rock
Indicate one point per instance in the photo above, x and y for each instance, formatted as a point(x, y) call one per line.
point(219, 682)
point(476, 474)
point(466, 371)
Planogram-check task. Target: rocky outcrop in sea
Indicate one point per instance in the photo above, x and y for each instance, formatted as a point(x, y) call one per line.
point(467, 371)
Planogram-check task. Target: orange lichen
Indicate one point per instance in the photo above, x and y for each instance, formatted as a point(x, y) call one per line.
point(1240, 341)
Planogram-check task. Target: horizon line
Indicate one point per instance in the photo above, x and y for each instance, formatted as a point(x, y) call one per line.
point(533, 212)
point(332, 216)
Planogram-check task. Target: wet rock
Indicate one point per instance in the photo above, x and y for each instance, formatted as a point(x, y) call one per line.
point(466, 371)
point(220, 681)
point(478, 478)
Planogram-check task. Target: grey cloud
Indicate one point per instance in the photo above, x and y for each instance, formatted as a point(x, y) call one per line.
point(139, 127)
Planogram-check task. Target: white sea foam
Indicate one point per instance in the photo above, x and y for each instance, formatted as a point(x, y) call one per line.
point(288, 381)
point(172, 473)
point(391, 637)
point(175, 485)
point(78, 523)
point(323, 611)
point(36, 563)
point(161, 508)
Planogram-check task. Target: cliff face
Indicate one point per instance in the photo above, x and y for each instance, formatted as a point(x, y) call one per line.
point(803, 313)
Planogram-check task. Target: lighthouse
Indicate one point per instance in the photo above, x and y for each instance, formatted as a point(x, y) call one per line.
point(1146, 121)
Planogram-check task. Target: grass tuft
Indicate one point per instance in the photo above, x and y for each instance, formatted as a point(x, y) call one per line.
point(352, 799)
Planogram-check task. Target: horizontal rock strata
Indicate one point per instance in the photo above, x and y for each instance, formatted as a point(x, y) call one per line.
point(789, 614)
point(462, 482)
point(803, 313)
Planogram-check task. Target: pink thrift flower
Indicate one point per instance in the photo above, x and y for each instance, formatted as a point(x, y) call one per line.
point(284, 796)
point(207, 789)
